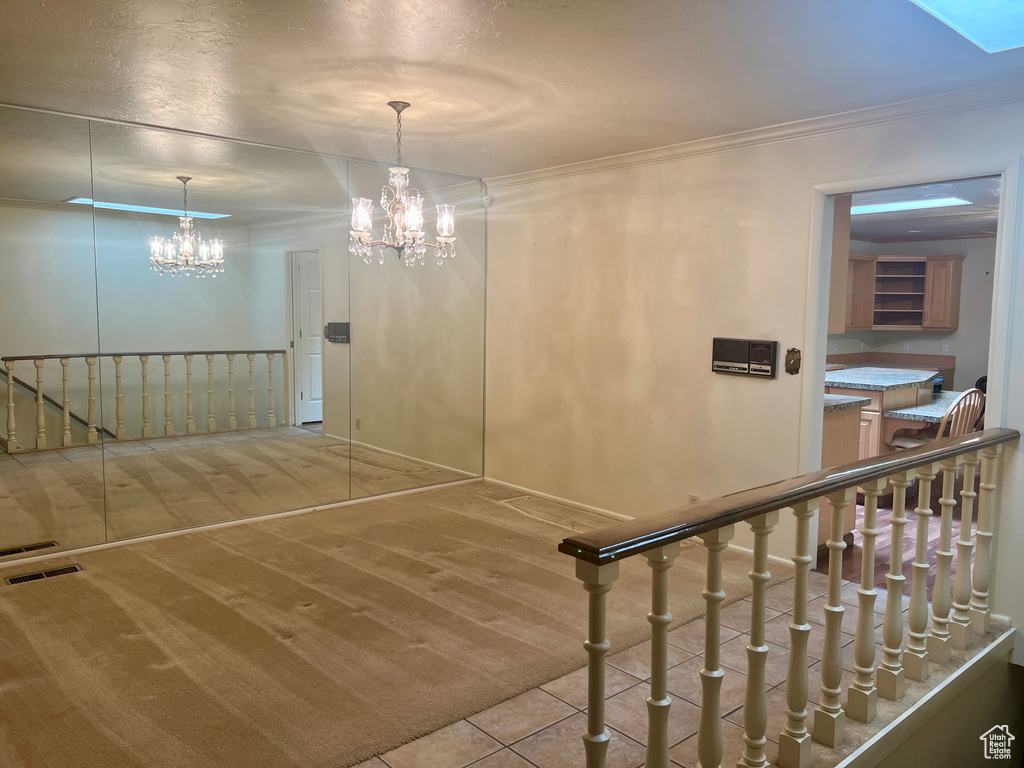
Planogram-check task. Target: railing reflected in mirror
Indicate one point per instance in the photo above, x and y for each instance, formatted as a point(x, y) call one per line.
point(99, 444)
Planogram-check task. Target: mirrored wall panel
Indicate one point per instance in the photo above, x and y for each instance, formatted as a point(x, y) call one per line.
point(209, 257)
point(207, 346)
point(418, 347)
point(51, 474)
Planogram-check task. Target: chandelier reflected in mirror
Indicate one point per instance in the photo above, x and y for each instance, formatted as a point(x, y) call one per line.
point(186, 253)
point(403, 206)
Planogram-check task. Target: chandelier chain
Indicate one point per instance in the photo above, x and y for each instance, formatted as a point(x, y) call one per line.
point(399, 136)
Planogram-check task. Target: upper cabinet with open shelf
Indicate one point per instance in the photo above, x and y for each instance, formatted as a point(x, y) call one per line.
point(904, 293)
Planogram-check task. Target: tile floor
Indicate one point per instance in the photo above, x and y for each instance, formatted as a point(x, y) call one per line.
point(542, 727)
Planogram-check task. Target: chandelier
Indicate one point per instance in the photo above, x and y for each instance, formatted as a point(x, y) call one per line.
point(404, 208)
point(186, 253)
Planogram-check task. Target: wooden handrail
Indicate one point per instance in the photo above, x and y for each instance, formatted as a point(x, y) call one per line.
point(151, 354)
point(623, 540)
point(49, 400)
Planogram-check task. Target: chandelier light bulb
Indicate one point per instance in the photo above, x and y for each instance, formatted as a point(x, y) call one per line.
point(445, 220)
point(362, 215)
point(403, 207)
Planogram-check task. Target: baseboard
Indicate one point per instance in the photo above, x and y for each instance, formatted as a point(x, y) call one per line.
point(771, 558)
point(559, 500)
point(462, 472)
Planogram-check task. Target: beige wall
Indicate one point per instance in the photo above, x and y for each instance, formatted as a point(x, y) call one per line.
point(969, 343)
point(605, 287)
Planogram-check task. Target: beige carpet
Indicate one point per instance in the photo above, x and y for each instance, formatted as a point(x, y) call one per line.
point(313, 640)
point(158, 485)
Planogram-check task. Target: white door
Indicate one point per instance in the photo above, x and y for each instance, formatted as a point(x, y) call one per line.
point(309, 344)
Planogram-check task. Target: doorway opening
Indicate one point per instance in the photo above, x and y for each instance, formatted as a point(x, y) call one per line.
point(909, 321)
point(306, 323)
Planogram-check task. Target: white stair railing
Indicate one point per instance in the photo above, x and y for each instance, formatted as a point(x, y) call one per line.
point(94, 433)
point(598, 555)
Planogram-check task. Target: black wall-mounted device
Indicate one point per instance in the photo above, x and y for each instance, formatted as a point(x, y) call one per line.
point(746, 357)
point(336, 333)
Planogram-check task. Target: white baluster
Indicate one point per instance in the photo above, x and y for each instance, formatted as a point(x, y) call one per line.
point(795, 741)
point(891, 678)
point(862, 696)
point(960, 624)
point(915, 658)
point(232, 420)
point(829, 717)
point(91, 416)
point(190, 410)
point(65, 402)
point(939, 643)
point(146, 430)
point(211, 420)
point(168, 420)
point(12, 437)
point(271, 420)
point(597, 580)
point(709, 729)
point(119, 398)
point(252, 393)
point(983, 563)
point(40, 408)
point(659, 702)
point(755, 702)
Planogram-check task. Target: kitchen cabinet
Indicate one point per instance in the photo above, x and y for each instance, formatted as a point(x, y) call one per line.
point(903, 293)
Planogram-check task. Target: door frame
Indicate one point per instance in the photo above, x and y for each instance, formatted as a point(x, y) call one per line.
point(292, 323)
point(1011, 173)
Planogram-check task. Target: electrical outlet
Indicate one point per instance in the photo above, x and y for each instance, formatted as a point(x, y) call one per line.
point(906, 346)
point(694, 498)
point(359, 423)
point(945, 349)
point(835, 346)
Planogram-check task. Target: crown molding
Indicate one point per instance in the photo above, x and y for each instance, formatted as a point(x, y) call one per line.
point(980, 97)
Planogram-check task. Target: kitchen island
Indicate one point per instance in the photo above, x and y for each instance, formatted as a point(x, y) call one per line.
point(840, 444)
point(886, 389)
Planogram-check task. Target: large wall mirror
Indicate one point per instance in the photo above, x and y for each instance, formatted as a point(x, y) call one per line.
point(139, 401)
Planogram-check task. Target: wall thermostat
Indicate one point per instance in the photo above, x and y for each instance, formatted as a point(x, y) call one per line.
point(746, 357)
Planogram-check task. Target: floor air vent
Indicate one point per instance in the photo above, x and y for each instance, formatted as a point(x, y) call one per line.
point(27, 548)
point(43, 574)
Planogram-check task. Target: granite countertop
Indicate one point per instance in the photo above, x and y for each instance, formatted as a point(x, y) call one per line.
point(844, 402)
point(933, 411)
point(878, 378)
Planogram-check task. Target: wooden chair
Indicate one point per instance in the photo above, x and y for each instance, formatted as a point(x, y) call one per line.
point(960, 418)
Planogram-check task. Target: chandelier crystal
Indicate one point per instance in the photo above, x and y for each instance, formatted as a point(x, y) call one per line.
point(403, 206)
point(186, 253)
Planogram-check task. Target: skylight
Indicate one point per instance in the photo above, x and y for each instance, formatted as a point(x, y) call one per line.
point(145, 209)
point(992, 25)
point(909, 205)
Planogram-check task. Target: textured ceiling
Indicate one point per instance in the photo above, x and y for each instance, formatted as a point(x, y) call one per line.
point(497, 86)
